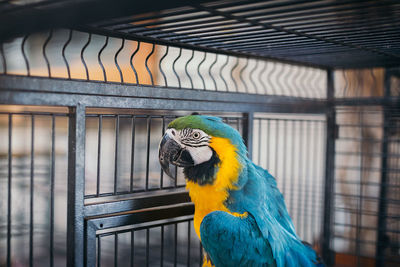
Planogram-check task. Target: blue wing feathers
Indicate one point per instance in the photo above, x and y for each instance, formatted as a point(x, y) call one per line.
point(260, 197)
point(234, 241)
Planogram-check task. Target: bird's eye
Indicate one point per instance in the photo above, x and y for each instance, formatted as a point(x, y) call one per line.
point(196, 135)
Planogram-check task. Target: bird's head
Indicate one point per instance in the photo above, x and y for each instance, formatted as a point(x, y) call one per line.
point(199, 144)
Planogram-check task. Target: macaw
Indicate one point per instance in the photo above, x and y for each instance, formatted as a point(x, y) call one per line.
point(240, 215)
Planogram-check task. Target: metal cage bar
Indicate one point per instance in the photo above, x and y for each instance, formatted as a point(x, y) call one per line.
point(76, 182)
point(331, 135)
point(383, 200)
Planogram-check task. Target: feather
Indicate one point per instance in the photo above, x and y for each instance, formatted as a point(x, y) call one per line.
point(234, 241)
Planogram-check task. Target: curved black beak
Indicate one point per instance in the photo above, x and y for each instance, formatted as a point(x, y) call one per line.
point(172, 155)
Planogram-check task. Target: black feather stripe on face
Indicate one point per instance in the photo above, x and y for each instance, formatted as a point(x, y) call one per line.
point(195, 144)
point(187, 138)
point(203, 173)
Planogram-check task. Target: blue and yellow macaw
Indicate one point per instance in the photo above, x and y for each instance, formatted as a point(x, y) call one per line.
point(240, 215)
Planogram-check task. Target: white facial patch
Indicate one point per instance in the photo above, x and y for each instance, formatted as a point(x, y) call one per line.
point(200, 154)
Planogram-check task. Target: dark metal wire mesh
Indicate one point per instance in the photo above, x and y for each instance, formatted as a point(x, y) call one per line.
point(292, 149)
point(77, 55)
point(172, 243)
point(359, 202)
point(350, 34)
point(33, 188)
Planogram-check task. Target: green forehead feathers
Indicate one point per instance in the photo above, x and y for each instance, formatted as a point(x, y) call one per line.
point(210, 125)
point(213, 126)
point(191, 121)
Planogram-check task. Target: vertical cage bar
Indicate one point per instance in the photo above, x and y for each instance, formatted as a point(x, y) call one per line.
point(132, 247)
point(276, 147)
point(321, 172)
point(116, 250)
point(175, 244)
point(99, 154)
point(10, 119)
point(147, 247)
point(76, 185)
point(268, 144)
point(90, 240)
point(329, 171)
point(306, 205)
point(132, 152)
point(292, 169)
point(259, 142)
point(360, 193)
point(248, 132)
point(201, 255)
point(383, 191)
point(3, 58)
point(99, 251)
point(300, 185)
point(176, 177)
point(116, 155)
point(162, 246)
point(284, 158)
point(162, 134)
point(31, 190)
point(148, 151)
point(188, 245)
point(313, 176)
point(52, 190)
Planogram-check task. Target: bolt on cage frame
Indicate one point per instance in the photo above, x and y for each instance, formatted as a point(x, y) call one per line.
point(220, 87)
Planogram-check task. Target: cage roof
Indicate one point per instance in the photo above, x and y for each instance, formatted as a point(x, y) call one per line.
point(323, 33)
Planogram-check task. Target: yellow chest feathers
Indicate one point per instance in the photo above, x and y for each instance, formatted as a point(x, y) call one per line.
point(208, 198)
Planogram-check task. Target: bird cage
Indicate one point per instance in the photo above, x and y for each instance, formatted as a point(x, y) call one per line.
point(87, 89)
